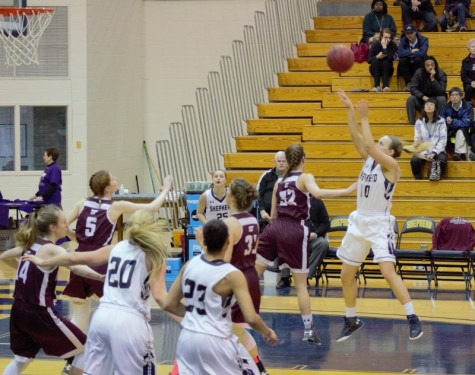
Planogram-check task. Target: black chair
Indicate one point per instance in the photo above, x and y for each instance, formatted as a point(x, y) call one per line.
point(449, 264)
point(415, 264)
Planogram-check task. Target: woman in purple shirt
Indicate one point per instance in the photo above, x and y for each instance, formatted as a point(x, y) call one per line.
point(49, 188)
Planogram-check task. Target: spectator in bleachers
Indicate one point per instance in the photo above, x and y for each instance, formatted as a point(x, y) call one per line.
point(429, 82)
point(421, 10)
point(455, 10)
point(467, 72)
point(411, 51)
point(377, 20)
point(380, 58)
point(458, 115)
point(430, 128)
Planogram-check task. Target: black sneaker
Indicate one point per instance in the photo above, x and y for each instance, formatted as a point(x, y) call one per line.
point(283, 283)
point(456, 156)
point(415, 327)
point(311, 337)
point(351, 325)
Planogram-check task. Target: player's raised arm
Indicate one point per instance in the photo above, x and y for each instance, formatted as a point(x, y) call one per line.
point(353, 125)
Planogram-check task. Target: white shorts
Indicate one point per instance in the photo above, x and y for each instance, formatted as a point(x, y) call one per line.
point(119, 342)
point(203, 354)
point(365, 233)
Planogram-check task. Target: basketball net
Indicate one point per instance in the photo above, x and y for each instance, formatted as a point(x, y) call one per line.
point(21, 30)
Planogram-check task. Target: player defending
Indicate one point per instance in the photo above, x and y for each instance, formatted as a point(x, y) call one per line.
point(371, 225)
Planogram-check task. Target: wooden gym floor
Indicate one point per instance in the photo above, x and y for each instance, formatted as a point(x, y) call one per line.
point(381, 347)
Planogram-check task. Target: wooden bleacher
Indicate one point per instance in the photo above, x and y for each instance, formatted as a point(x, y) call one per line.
point(305, 109)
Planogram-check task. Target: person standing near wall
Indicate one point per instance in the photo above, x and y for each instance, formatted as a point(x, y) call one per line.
point(49, 188)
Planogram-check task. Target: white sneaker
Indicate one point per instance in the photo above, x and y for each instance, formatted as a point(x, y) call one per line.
point(376, 89)
point(386, 89)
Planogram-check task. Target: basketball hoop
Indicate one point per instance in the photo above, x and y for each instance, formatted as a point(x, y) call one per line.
point(21, 30)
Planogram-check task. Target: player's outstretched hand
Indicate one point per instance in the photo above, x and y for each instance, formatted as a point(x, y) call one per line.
point(345, 99)
point(271, 338)
point(363, 108)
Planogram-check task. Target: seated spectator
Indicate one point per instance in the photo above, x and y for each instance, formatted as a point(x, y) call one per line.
point(458, 9)
point(377, 20)
point(412, 51)
point(430, 128)
point(428, 82)
point(319, 224)
point(420, 10)
point(458, 115)
point(380, 58)
point(467, 72)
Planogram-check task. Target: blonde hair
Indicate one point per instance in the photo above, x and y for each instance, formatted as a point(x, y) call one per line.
point(37, 225)
point(470, 41)
point(144, 231)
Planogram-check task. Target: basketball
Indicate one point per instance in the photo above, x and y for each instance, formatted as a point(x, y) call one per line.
point(340, 59)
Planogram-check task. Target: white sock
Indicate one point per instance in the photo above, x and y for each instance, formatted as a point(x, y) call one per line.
point(15, 367)
point(350, 312)
point(307, 321)
point(81, 315)
point(409, 308)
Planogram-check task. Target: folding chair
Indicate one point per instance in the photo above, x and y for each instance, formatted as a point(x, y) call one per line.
point(452, 256)
point(413, 264)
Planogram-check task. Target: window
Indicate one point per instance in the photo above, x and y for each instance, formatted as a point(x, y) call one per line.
point(39, 128)
point(7, 139)
point(44, 127)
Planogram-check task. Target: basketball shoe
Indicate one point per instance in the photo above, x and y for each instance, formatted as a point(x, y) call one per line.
point(351, 325)
point(415, 327)
point(311, 337)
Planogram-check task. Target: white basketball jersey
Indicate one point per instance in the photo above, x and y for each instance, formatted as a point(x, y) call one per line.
point(216, 208)
point(374, 190)
point(206, 311)
point(127, 281)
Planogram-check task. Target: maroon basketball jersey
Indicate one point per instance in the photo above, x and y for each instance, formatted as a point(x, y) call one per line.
point(292, 202)
point(34, 286)
point(93, 228)
point(245, 249)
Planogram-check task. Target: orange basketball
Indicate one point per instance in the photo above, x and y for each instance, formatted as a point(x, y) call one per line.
point(340, 59)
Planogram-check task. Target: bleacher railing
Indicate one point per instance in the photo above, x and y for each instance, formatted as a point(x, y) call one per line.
point(207, 129)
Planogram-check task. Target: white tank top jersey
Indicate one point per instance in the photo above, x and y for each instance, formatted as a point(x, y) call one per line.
point(216, 208)
point(374, 190)
point(127, 282)
point(206, 311)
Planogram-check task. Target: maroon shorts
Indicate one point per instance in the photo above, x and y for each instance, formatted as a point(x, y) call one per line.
point(82, 288)
point(254, 290)
point(35, 327)
point(286, 239)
